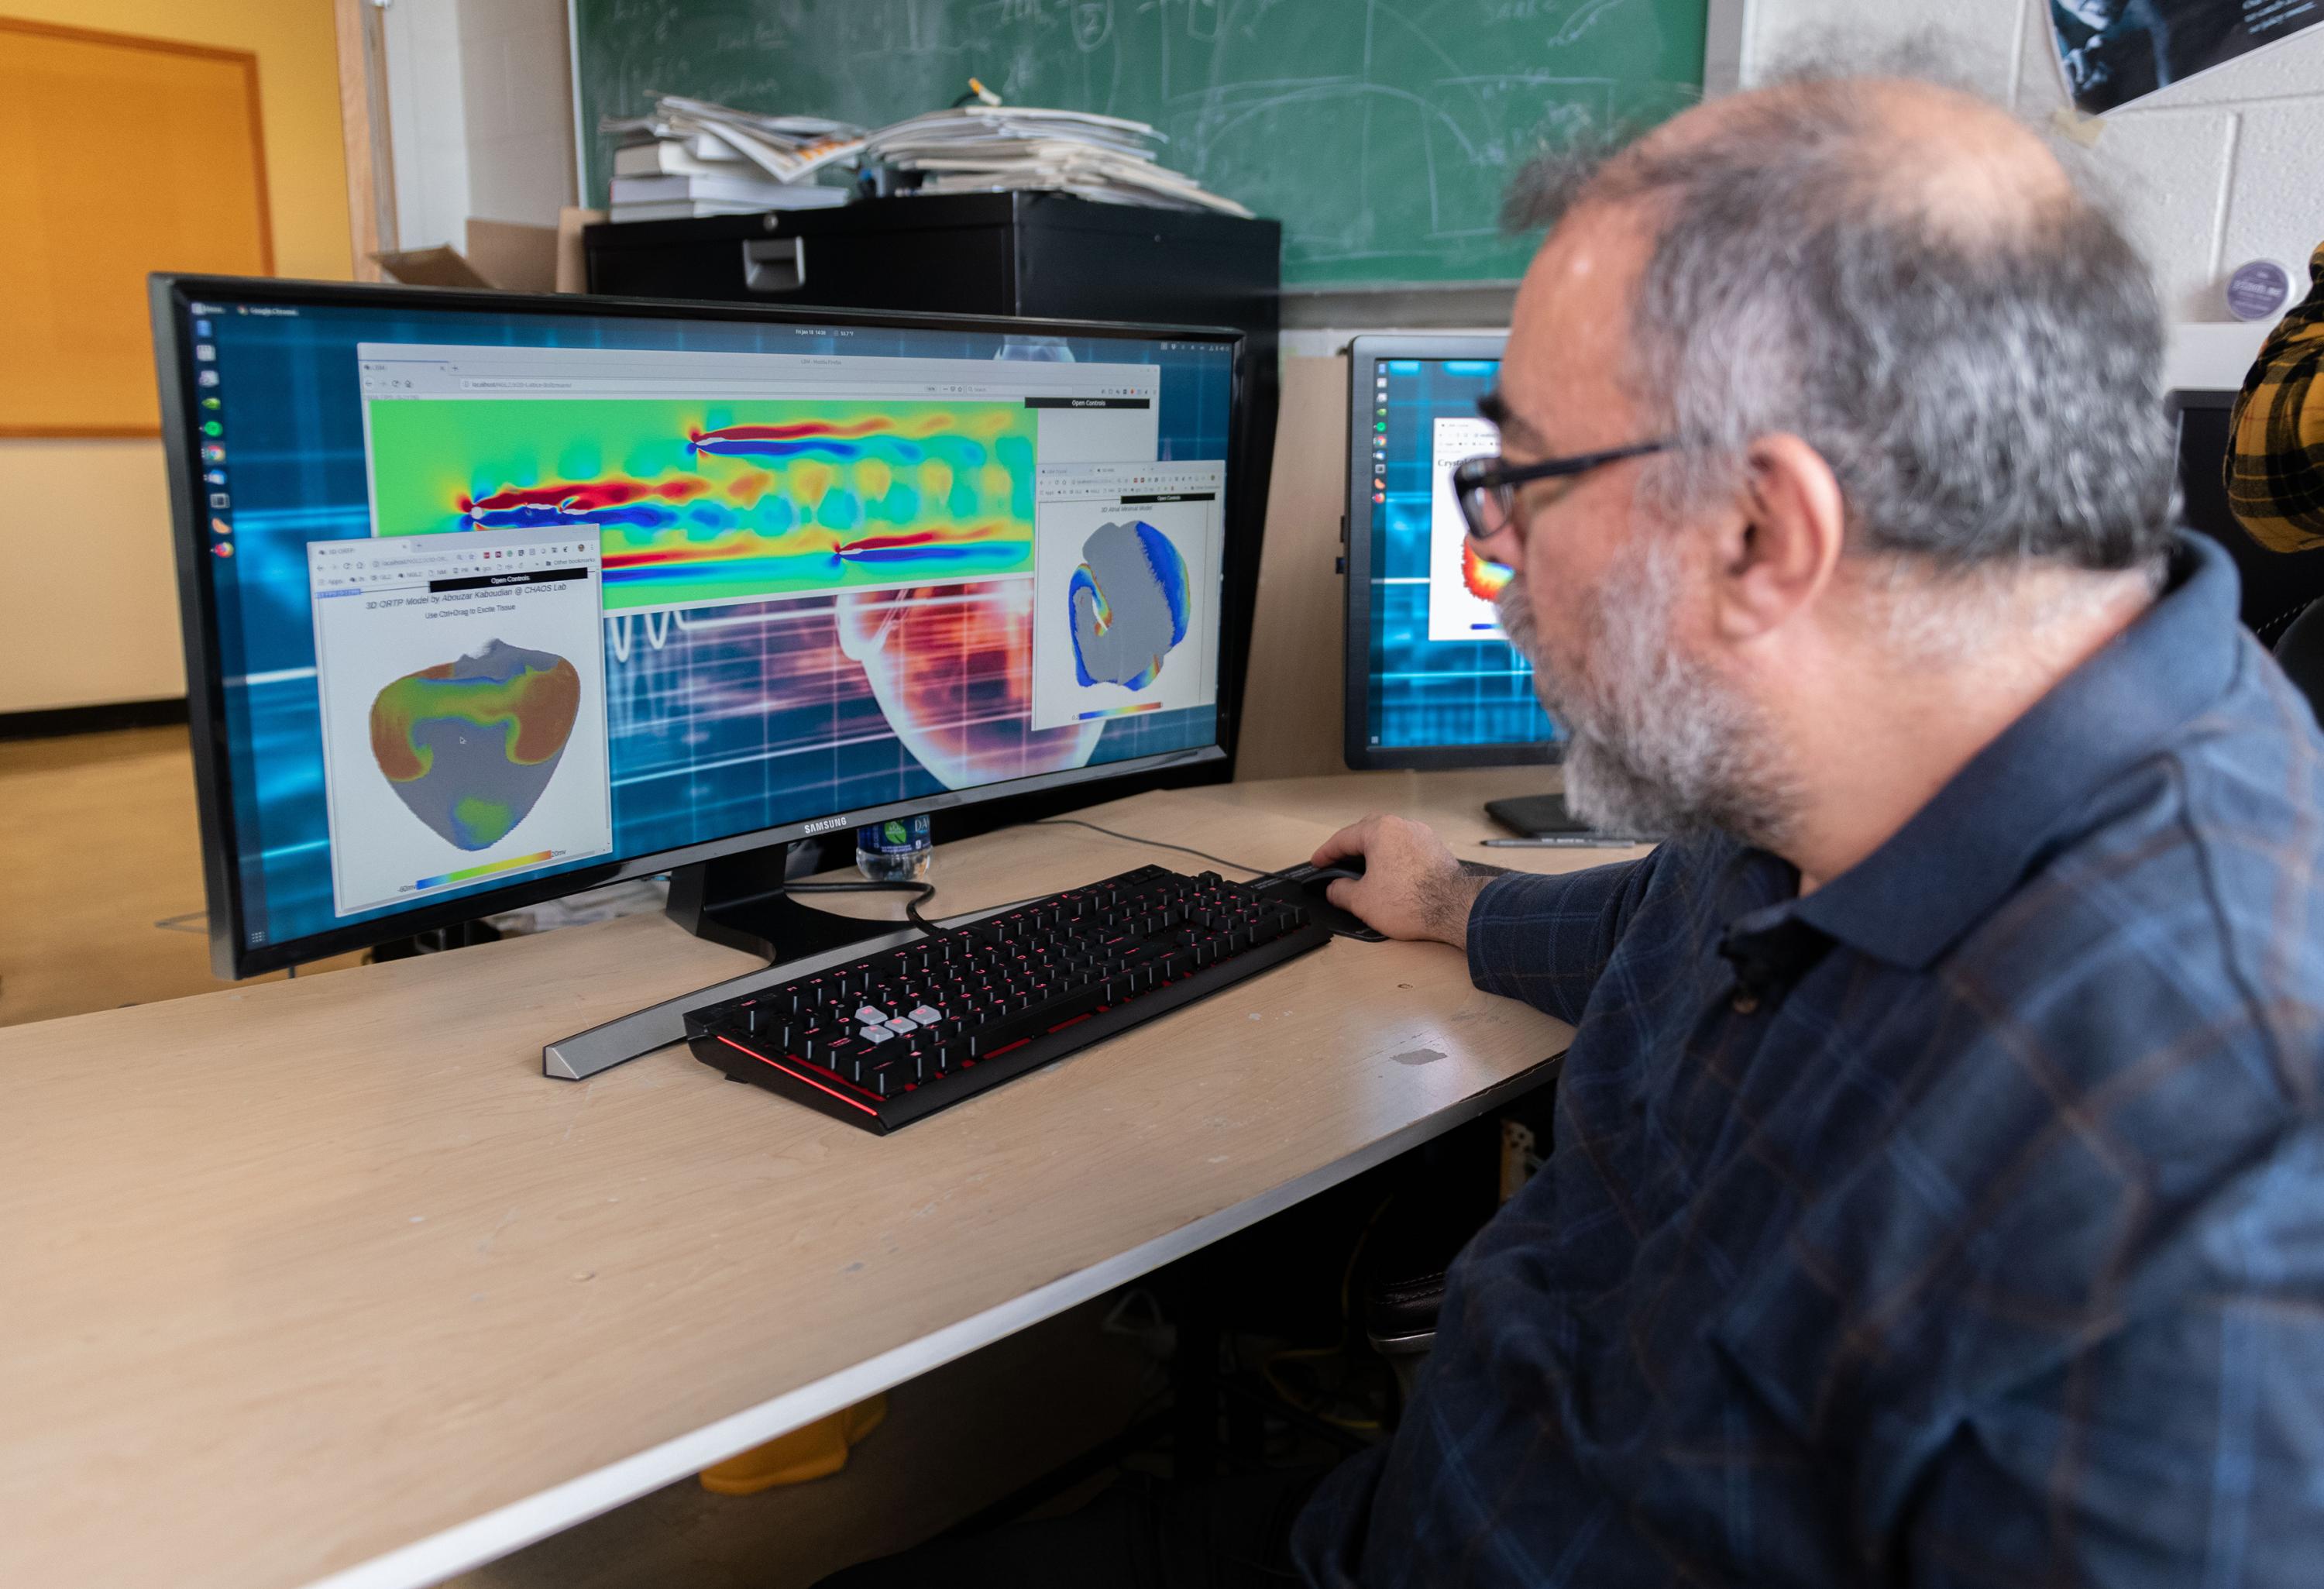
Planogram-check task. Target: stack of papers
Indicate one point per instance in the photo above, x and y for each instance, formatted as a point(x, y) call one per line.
point(989, 148)
point(688, 157)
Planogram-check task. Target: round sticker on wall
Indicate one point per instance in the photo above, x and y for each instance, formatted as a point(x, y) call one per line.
point(2258, 291)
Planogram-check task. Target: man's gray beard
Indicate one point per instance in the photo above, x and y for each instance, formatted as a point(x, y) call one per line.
point(1659, 745)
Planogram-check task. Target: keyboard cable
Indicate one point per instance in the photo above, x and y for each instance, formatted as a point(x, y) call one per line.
point(1257, 875)
point(1255, 872)
point(922, 892)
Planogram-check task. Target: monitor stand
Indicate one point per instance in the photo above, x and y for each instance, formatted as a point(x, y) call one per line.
point(736, 900)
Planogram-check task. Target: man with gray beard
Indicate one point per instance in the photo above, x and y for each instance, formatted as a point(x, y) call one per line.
point(1937, 1190)
point(1936, 1184)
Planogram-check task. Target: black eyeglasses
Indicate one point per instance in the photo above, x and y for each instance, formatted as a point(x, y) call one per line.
point(1487, 488)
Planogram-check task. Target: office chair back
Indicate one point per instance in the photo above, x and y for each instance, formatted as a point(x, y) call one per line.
point(2301, 653)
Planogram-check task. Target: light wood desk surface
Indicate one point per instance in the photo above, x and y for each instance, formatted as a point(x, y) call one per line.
point(324, 1280)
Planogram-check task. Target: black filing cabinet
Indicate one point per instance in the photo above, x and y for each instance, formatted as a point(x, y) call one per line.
point(1046, 255)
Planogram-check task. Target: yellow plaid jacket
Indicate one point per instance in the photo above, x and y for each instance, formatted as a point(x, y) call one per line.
point(2275, 460)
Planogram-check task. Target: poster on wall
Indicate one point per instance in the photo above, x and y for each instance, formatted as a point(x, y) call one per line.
point(2113, 52)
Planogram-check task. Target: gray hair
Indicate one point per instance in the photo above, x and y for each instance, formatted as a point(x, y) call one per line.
point(1986, 391)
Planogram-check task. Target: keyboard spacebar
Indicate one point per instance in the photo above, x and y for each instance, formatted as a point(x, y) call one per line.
point(1037, 1020)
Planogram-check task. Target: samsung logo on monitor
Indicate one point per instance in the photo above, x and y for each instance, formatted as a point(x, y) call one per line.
point(825, 825)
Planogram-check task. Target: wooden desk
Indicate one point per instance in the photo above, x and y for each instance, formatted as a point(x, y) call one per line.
point(323, 1280)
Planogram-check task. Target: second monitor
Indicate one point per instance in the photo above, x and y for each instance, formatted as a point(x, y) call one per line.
point(1430, 680)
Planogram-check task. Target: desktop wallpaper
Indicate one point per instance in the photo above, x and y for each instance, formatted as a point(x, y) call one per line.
point(722, 720)
point(1435, 692)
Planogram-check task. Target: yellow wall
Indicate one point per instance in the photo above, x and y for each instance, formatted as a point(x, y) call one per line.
point(298, 99)
point(91, 518)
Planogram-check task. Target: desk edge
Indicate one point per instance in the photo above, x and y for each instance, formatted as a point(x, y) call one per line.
point(496, 1533)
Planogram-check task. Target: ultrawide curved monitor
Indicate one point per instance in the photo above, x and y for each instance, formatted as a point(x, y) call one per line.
point(1430, 680)
point(489, 598)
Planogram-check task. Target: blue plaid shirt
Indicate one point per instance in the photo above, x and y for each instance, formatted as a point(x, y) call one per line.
point(1963, 1222)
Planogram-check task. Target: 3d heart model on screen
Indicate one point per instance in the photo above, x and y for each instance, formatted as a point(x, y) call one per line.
point(469, 746)
point(1485, 580)
point(1130, 605)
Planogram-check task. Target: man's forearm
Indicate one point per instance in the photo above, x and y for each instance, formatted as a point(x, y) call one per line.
point(1545, 937)
point(1453, 898)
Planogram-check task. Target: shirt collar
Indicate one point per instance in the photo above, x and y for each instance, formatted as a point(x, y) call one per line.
point(1963, 852)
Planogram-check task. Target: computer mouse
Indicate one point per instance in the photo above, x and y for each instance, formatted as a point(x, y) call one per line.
point(1313, 882)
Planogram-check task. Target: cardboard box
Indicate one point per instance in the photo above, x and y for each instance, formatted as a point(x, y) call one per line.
point(505, 255)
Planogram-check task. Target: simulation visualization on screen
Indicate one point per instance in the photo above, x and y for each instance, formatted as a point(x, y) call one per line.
point(500, 595)
point(1441, 672)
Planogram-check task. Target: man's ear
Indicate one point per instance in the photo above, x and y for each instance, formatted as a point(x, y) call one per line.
point(1779, 549)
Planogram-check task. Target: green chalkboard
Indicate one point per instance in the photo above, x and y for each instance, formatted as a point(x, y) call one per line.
point(1380, 134)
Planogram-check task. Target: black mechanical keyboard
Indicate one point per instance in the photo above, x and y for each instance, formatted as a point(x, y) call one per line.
point(907, 1032)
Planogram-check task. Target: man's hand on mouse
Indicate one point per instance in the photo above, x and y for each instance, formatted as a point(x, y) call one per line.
point(1411, 886)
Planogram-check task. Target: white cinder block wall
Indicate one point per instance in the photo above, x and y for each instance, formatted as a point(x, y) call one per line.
point(480, 111)
point(427, 122)
point(2208, 173)
point(516, 74)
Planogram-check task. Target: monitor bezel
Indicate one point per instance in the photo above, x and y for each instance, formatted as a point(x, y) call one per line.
point(170, 298)
point(1364, 356)
point(2199, 397)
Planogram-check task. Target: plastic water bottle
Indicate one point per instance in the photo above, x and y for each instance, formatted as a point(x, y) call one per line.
point(896, 851)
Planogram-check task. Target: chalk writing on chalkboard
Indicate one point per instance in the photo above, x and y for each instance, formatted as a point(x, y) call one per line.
point(1381, 134)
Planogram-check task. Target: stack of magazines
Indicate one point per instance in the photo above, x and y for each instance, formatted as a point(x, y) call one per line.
point(992, 148)
point(688, 157)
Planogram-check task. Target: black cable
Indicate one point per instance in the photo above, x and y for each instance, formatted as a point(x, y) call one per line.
point(1257, 875)
point(921, 893)
point(1158, 843)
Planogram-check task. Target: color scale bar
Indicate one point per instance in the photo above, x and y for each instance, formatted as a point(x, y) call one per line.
point(466, 872)
point(1122, 711)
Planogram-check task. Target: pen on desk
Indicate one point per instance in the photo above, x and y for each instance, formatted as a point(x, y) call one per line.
point(1572, 841)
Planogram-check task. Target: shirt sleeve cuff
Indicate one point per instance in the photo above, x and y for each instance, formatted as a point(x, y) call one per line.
point(1508, 895)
